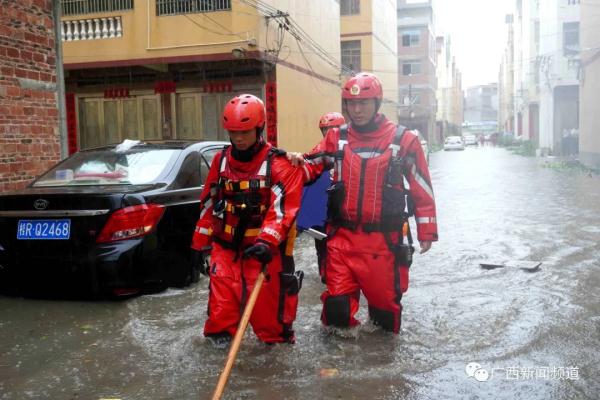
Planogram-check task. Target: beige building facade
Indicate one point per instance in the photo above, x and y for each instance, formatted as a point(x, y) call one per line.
point(589, 113)
point(369, 44)
point(449, 94)
point(417, 81)
point(506, 78)
point(527, 70)
point(163, 69)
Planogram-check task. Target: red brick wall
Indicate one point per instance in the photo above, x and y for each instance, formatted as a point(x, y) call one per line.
point(29, 135)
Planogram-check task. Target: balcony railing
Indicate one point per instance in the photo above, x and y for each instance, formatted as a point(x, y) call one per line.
point(90, 29)
point(77, 7)
point(174, 7)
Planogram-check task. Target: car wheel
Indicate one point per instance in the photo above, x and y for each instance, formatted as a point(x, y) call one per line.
point(195, 275)
point(183, 274)
point(197, 270)
point(155, 286)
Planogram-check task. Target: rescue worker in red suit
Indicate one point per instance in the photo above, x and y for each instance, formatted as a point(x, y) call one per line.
point(331, 120)
point(327, 121)
point(247, 221)
point(369, 245)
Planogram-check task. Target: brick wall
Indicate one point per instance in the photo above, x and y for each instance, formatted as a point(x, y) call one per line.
point(29, 134)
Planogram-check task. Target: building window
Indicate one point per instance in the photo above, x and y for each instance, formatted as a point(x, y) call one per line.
point(351, 54)
point(573, 2)
point(174, 7)
point(571, 38)
point(76, 7)
point(411, 67)
point(349, 7)
point(411, 37)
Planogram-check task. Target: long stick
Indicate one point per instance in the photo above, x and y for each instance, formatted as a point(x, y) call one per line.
point(237, 340)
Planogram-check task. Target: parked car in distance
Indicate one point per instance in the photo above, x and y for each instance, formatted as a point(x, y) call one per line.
point(470, 140)
point(453, 143)
point(116, 220)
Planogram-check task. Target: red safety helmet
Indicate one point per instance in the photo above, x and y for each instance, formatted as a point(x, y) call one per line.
point(243, 113)
point(363, 86)
point(331, 119)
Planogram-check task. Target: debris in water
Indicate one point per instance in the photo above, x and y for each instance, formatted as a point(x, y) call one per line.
point(529, 266)
point(328, 372)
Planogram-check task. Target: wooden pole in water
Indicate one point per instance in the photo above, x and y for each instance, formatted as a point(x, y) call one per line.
point(237, 340)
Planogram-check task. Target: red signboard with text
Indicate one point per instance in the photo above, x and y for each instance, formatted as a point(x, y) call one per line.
point(71, 122)
point(116, 93)
point(271, 106)
point(161, 87)
point(218, 87)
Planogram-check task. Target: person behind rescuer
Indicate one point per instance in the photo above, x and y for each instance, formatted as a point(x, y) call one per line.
point(314, 198)
point(247, 220)
point(369, 244)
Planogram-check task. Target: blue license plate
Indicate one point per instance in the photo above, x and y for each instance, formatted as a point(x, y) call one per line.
point(44, 229)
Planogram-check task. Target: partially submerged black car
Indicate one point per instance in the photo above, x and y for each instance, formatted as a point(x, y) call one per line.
point(116, 220)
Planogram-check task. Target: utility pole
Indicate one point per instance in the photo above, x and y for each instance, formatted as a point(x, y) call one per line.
point(410, 102)
point(60, 80)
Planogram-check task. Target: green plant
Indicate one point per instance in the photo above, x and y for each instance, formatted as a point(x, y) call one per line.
point(435, 147)
point(524, 148)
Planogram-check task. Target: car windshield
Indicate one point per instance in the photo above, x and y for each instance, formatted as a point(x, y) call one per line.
point(109, 167)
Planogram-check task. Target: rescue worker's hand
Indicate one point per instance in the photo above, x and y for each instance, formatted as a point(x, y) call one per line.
point(425, 246)
point(260, 251)
point(199, 261)
point(297, 159)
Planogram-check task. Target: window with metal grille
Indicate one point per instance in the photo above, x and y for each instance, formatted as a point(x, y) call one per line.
point(76, 7)
point(349, 7)
point(174, 7)
point(412, 67)
point(411, 37)
point(351, 54)
point(570, 38)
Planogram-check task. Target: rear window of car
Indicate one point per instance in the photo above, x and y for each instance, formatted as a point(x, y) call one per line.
point(110, 167)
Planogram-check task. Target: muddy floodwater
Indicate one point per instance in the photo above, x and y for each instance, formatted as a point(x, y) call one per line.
point(523, 334)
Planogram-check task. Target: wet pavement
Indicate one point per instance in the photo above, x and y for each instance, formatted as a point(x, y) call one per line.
point(534, 335)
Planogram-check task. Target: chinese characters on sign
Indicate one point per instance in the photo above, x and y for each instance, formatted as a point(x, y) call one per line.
point(548, 373)
point(71, 122)
point(271, 106)
point(218, 87)
point(114, 93)
point(475, 370)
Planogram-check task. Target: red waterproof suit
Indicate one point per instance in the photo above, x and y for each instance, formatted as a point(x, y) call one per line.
point(243, 202)
point(367, 246)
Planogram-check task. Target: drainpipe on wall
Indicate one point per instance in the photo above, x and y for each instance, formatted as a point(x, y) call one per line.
point(60, 81)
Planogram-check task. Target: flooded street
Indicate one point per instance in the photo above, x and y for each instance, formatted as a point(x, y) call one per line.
point(535, 334)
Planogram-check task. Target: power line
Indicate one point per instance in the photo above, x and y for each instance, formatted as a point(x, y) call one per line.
point(296, 31)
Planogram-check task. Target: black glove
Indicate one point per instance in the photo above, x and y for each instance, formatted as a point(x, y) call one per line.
point(199, 261)
point(260, 251)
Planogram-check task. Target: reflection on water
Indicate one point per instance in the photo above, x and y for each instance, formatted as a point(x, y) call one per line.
point(492, 206)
